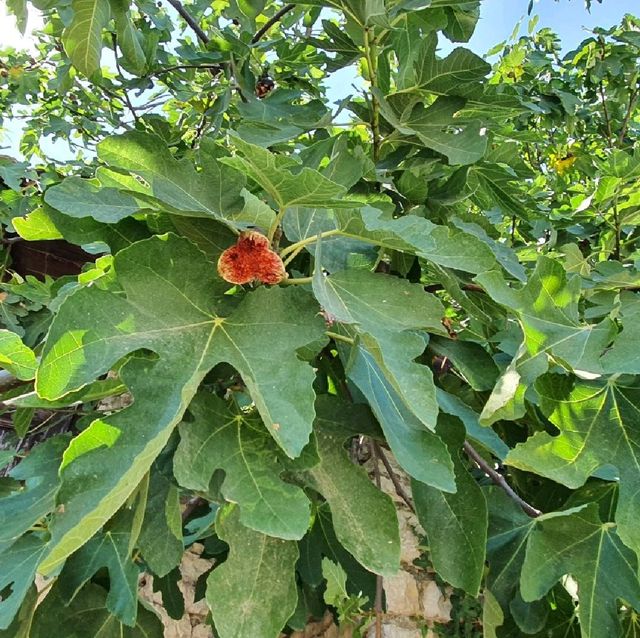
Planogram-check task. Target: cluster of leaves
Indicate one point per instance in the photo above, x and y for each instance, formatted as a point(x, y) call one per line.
point(461, 292)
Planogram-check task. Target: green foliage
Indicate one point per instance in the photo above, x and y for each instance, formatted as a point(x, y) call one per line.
point(461, 247)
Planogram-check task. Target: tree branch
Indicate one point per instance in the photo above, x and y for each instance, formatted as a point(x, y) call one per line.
point(188, 18)
point(178, 67)
point(400, 491)
point(269, 23)
point(499, 480)
point(114, 39)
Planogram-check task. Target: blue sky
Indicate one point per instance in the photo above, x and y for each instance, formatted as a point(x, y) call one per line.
point(566, 17)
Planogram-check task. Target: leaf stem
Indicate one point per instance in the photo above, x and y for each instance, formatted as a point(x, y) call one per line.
point(299, 245)
point(275, 224)
point(292, 256)
point(499, 480)
point(337, 337)
point(617, 230)
point(299, 281)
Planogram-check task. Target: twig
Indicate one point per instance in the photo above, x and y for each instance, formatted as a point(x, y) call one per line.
point(400, 491)
point(617, 230)
point(468, 287)
point(633, 96)
point(269, 23)
point(605, 110)
point(114, 39)
point(499, 480)
point(201, 124)
point(179, 67)
point(606, 115)
point(11, 240)
point(188, 18)
point(377, 605)
point(372, 66)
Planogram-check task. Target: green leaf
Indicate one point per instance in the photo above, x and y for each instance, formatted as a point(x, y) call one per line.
point(22, 418)
point(160, 539)
point(509, 531)
point(386, 311)
point(175, 185)
point(48, 223)
point(88, 616)
point(83, 38)
point(366, 12)
point(432, 126)
point(19, 10)
point(462, 21)
point(6, 456)
point(286, 182)
point(448, 76)
point(418, 236)
point(336, 41)
point(19, 565)
point(453, 405)
point(470, 359)
point(364, 518)
point(505, 256)
point(598, 426)
point(220, 437)
point(172, 597)
point(210, 236)
point(15, 357)
point(336, 578)
point(21, 625)
point(337, 252)
point(322, 541)
point(81, 198)
point(421, 453)
point(39, 474)
point(579, 544)
point(257, 578)
point(623, 356)
point(492, 616)
point(493, 185)
point(128, 37)
point(277, 118)
point(456, 524)
point(167, 299)
point(547, 308)
point(110, 549)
